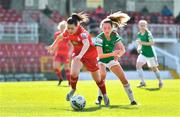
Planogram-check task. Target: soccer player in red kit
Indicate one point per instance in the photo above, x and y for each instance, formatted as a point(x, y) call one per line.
point(84, 53)
point(62, 55)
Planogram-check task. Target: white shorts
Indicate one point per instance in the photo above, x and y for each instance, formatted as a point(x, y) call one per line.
point(110, 64)
point(151, 61)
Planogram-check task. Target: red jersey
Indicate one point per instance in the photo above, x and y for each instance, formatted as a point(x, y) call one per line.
point(77, 38)
point(63, 47)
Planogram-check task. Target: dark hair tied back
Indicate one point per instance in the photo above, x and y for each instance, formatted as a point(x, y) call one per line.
point(78, 17)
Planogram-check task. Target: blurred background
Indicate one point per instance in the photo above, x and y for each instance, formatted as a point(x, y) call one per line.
point(27, 26)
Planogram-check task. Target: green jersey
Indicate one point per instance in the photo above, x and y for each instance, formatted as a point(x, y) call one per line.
point(108, 46)
point(147, 51)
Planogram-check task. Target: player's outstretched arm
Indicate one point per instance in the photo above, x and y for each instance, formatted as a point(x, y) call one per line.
point(84, 49)
point(120, 48)
point(53, 46)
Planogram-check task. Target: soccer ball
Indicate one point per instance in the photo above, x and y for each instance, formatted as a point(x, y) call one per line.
point(78, 102)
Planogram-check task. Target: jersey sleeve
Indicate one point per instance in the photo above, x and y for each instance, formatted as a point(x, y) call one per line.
point(150, 37)
point(117, 38)
point(99, 41)
point(65, 35)
point(138, 36)
point(55, 35)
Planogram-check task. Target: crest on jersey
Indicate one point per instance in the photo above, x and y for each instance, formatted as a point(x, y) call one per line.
point(99, 40)
point(84, 35)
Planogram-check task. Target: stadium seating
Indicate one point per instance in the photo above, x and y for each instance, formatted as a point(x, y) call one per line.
point(136, 16)
point(56, 17)
point(21, 57)
point(10, 15)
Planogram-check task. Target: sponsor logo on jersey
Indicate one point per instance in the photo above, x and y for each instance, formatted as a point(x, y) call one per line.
point(74, 42)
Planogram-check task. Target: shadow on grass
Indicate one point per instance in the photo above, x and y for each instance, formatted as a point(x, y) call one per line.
point(89, 109)
point(152, 89)
point(62, 86)
point(123, 106)
point(95, 108)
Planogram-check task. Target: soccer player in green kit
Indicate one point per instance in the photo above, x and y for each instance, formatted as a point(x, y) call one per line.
point(146, 53)
point(106, 42)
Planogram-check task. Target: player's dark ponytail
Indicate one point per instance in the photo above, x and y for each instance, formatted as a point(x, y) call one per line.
point(77, 18)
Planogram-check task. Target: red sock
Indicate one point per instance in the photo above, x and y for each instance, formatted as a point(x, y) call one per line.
point(67, 71)
point(73, 82)
point(102, 86)
point(58, 73)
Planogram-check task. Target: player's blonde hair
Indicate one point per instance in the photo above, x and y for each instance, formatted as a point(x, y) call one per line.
point(144, 22)
point(117, 19)
point(62, 25)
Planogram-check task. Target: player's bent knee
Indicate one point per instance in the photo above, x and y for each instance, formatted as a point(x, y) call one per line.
point(74, 75)
point(55, 67)
point(66, 67)
point(103, 76)
point(154, 69)
point(138, 66)
point(124, 80)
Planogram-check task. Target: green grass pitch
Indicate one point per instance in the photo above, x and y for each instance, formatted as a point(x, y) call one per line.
point(47, 99)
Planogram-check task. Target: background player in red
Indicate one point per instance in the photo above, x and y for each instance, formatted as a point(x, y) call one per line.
point(62, 54)
point(84, 53)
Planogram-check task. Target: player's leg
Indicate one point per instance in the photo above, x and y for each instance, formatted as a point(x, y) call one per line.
point(156, 72)
point(57, 70)
point(92, 66)
point(153, 64)
point(75, 69)
point(67, 68)
point(118, 71)
point(67, 72)
point(65, 63)
point(102, 69)
point(141, 60)
point(100, 83)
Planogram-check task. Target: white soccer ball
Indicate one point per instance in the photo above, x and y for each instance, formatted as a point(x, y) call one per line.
point(78, 102)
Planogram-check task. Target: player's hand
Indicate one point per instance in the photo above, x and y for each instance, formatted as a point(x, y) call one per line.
point(78, 57)
point(50, 49)
point(116, 58)
point(138, 50)
point(117, 53)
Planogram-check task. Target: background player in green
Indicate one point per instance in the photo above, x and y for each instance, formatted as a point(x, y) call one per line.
point(146, 53)
point(106, 43)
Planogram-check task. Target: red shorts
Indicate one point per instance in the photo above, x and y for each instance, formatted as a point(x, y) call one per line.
point(90, 63)
point(61, 58)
